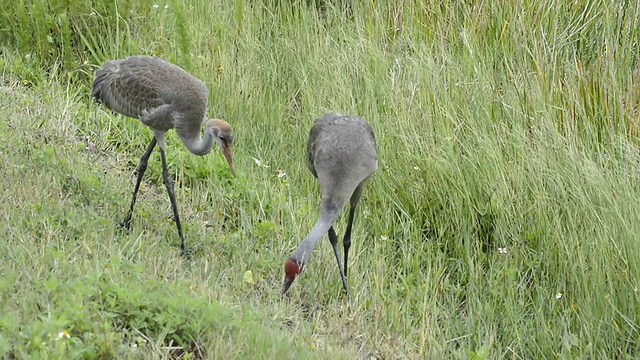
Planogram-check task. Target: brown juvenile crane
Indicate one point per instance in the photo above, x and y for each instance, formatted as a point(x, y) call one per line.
point(163, 96)
point(341, 154)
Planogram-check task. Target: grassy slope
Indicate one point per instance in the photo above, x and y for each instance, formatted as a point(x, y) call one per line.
point(498, 127)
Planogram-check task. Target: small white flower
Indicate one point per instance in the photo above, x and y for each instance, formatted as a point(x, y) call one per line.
point(155, 6)
point(63, 334)
point(259, 163)
point(281, 174)
point(131, 11)
point(502, 250)
point(166, 6)
point(416, 168)
point(383, 238)
point(558, 295)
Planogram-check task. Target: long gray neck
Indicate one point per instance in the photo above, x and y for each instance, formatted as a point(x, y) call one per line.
point(199, 145)
point(304, 250)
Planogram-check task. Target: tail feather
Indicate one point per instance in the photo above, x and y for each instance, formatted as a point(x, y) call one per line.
point(102, 83)
point(105, 90)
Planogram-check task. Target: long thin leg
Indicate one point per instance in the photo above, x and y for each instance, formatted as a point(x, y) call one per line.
point(333, 238)
point(347, 238)
point(168, 183)
point(347, 234)
point(142, 167)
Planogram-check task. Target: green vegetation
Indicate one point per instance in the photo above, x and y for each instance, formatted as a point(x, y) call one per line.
point(502, 222)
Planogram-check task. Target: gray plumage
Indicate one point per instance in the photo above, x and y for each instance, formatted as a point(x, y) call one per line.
point(341, 154)
point(162, 96)
point(138, 83)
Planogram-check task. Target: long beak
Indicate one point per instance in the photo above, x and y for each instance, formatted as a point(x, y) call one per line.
point(287, 284)
point(229, 156)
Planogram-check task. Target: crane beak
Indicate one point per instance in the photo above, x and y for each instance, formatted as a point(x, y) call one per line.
point(286, 285)
point(229, 156)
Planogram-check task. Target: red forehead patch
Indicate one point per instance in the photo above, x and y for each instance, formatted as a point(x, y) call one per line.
point(292, 269)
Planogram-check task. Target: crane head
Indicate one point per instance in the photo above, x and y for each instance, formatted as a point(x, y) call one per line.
point(223, 135)
point(291, 269)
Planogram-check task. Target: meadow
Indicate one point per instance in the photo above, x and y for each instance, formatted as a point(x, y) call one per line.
point(502, 222)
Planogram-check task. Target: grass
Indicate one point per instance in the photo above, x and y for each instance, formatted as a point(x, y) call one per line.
point(502, 222)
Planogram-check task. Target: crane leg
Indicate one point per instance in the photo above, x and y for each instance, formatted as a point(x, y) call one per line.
point(142, 167)
point(347, 239)
point(168, 183)
point(333, 238)
point(346, 242)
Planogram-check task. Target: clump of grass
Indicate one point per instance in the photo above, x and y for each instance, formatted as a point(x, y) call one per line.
point(67, 38)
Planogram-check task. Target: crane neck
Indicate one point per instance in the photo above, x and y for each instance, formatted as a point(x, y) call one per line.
point(199, 145)
point(303, 251)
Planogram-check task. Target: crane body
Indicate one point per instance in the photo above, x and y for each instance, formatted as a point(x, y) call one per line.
point(341, 154)
point(162, 96)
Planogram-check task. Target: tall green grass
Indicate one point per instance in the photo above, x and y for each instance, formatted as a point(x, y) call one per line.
point(501, 223)
point(66, 38)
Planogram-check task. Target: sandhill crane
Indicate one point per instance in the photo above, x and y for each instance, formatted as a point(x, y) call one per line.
point(341, 154)
point(163, 96)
